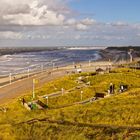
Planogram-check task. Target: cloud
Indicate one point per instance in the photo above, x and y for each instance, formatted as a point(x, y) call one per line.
point(36, 14)
point(136, 26)
point(40, 12)
point(88, 21)
point(53, 21)
point(81, 27)
point(71, 21)
point(77, 37)
point(119, 24)
point(10, 35)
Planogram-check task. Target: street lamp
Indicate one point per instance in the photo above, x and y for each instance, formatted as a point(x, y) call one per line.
point(28, 72)
point(10, 78)
point(81, 95)
point(42, 67)
point(53, 65)
point(33, 88)
point(35, 81)
point(62, 90)
point(47, 99)
point(89, 63)
point(73, 64)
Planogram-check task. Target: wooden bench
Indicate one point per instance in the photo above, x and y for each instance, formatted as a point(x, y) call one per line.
point(42, 104)
point(99, 95)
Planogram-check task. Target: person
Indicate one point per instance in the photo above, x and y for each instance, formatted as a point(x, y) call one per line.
point(108, 91)
point(111, 88)
point(67, 72)
point(23, 101)
point(49, 73)
point(121, 88)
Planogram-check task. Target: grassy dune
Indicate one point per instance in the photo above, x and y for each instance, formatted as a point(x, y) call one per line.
point(115, 117)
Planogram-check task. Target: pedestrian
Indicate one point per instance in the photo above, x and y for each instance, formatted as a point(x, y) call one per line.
point(108, 91)
point(121, 88)
point(23, 101)
point(111, 88)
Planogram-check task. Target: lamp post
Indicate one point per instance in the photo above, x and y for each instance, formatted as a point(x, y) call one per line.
point(81, 95)
point(89, 63)
point(89, 83)
point(42, 68)
point(53, 65)
point(62, 90)
point(33, 88)
point(28, 72)
point(47, 99)
point(10, 78)
point(73, 64)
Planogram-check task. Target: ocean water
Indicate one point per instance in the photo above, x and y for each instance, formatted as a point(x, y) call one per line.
point(20, 63)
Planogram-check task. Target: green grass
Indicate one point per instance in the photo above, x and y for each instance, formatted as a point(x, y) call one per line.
point(119, 110)
point(70, 98)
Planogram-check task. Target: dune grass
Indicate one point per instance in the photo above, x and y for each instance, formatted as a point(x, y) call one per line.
point(119, 110)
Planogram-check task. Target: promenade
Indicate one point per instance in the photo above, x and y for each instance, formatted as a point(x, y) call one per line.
point(21, 87)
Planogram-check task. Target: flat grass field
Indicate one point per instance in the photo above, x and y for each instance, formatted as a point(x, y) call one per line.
point(115, 117)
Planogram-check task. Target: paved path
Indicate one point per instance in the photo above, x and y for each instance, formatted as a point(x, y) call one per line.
point(19, 88)
point(23, 86)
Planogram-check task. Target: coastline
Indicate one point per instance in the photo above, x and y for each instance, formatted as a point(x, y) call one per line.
point(106, 59)
point(22, 62)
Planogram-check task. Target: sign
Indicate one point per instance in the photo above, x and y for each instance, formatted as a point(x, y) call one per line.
point(35, 81)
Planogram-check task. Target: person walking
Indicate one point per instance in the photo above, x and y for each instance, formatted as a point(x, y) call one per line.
point(111, 88)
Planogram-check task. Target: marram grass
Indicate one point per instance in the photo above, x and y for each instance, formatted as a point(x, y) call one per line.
point(118, 110)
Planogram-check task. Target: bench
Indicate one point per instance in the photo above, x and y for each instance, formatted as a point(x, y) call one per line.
point(42, 104)
point(99, 95)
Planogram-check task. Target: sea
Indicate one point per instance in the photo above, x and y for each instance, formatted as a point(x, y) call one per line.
point(33, 61)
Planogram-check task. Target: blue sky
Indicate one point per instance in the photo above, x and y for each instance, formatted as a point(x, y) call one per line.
point(109, 10)
point(69, 22)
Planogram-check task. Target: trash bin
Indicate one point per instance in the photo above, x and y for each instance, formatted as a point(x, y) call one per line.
point(33, 106)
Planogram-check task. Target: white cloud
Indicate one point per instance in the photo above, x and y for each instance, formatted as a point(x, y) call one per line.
point(11, 35)
point(77, 37)
point(81, 27)
point(71, 21)
point(88, 21)
point(138, 34)
point(119, 24)
point(38, 15)
point(40, 12)
point(50, 21)
point(108, 37)
point(136, 26)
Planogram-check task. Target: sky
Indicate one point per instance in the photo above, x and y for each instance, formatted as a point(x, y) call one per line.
point(69, 23)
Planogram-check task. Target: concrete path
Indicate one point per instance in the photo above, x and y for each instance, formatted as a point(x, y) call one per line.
point(23, 86)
